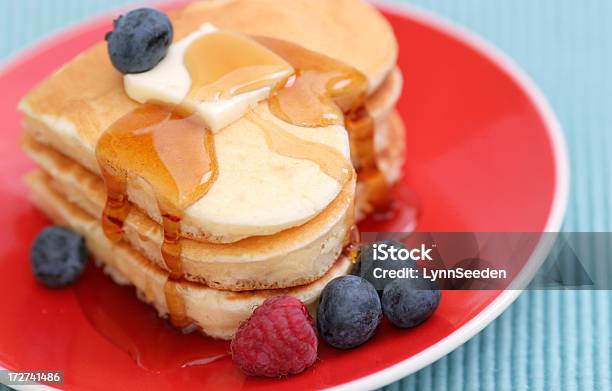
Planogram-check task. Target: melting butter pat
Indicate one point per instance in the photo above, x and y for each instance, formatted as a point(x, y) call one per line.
point(220, 75)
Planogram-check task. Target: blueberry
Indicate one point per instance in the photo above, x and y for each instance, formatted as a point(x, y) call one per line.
point(140, 40)
point(409, 302)
point(349, 312)
point(58, 257)
point(366, 264)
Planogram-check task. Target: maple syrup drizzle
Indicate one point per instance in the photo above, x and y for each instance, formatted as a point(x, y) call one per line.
point(352, 248)
point(117, 205)
point(220, 72)
point(171, 149)
point(173, 152)
point(327, 92)
point(175, 302)
point(330, 161)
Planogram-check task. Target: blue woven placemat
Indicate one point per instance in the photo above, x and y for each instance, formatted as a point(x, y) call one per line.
point(547, 340)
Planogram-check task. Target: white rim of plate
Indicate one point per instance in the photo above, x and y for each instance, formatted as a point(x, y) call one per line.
point(496, 307)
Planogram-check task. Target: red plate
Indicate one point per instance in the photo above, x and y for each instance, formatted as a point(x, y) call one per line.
point(485, 154)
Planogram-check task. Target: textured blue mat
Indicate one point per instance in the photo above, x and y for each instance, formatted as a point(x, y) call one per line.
point(546, 340)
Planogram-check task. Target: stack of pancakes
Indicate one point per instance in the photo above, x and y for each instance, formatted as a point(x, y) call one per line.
point(271, 224)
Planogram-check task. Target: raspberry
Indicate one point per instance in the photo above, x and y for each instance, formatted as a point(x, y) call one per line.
point(279, 339)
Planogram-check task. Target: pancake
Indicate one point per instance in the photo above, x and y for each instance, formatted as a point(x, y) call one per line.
point(391, 156)
point(389, 140)
point(389, 146)
point(382, 102)
point(292, 257)
point(216, 313)
point(204, 216)
point(257, 192)
point(351, 31)
point(287, 259)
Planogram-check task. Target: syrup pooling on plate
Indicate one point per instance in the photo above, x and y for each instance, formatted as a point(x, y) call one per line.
point(135, 328)
point(224, 64)
point(327, 92)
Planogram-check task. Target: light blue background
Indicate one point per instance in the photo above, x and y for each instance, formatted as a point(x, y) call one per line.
point(546, 340)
